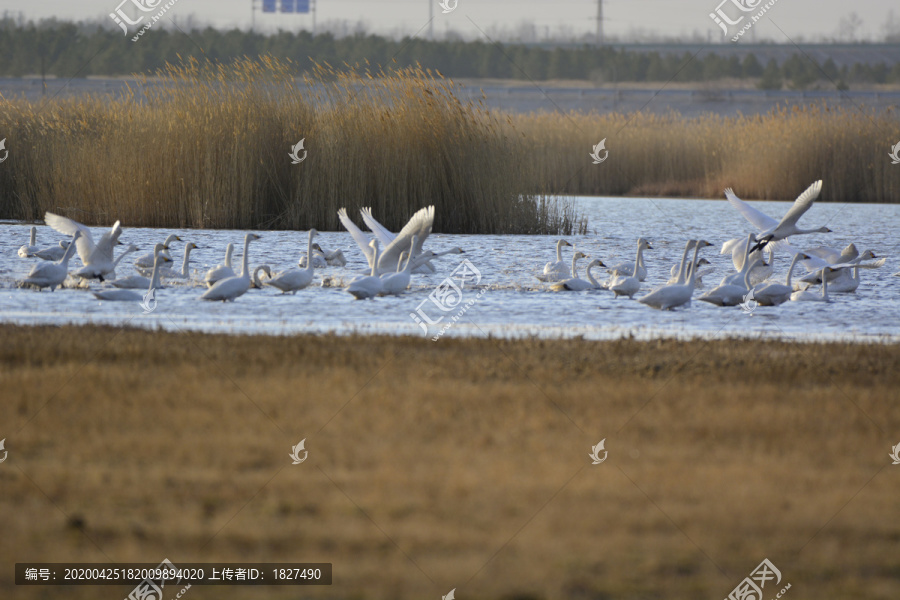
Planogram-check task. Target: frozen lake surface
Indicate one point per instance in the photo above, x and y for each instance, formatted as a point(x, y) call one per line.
point(508, 301)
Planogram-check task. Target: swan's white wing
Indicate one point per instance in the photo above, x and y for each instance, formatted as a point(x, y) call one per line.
point(66, 226)
point(802, 204)
point(759, 219)
point(103, 251)
point(361, 239)
point(419, 225)
point(384, 236)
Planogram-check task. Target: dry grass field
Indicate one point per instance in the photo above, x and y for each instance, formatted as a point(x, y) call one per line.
point(457, 464)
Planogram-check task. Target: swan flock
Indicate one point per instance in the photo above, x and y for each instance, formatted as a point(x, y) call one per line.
point(394, 260)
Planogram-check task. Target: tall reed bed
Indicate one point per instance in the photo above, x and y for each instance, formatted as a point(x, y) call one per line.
point(771, 156)
point(206, 145)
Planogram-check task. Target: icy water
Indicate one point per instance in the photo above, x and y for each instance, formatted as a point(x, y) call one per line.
point(507, 301)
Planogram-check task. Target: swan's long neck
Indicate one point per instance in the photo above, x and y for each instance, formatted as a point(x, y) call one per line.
point(245, 260)
point(824, 285)
point(228, 251)
point(120, 257)
point(559, 246)
point(375, 257)
point(70, 250)
point(256, 271)
point(693, 266)
point(309, 253)
point(794, 262)
point(154, 279)
point(590, 277)
point(639, 259)
point(574, 261)
point(681, 272)
point(747, 252)
point(187, 260)
point(822, 229)
point(33, 239)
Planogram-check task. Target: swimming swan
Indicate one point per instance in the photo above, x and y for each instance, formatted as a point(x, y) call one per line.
point(371, 285)
point(294, 279)
point(126, 295)
point(232, 287)
point(30, 248)
point(49, 274)
point(223, 271)
point(677, 294)
point(637, 268)
point(555, 271)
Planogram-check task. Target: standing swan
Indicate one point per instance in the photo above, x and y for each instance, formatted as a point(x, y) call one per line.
point(232, 287)
point(49, 274)
point(773, 294)
point(575, 283)
point(184, 273)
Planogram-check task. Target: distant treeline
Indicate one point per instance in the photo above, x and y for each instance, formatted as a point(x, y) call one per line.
point(69, 49)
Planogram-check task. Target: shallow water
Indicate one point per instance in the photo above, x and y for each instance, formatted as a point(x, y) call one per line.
point(507, 301)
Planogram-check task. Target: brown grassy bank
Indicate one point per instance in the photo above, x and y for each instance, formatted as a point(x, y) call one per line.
point(459, 464)
point(207, 146)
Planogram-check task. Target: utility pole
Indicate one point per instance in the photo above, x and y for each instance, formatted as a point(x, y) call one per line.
point(599, 22)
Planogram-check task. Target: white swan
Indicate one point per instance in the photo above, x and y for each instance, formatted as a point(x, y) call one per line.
point(701, 273)
point(730, 294)
point(555, 271)
point(319, 261)
point(772, 293)
point(842, 270)
point(772, 230)
point(126, 295)
point(52, 253)
point(575, 283)
point(809, 296)
point(623, 285)
point(144, 263)
point(294, 279)
point(677, 294)
point(371, 285)
point(99, 254)
point(635, 268)
point(31, 247)
point(222, 271)
point(746, 265)
point(397, 283)
point(49, 274)
point(419, 225)
point(103, 270)
point(185, 272)
point(421, 263)
point(233, 287)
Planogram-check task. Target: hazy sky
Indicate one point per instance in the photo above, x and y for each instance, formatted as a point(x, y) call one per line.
point(806, 18)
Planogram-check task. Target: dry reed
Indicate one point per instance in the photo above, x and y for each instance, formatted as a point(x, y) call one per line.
point(206, 145)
